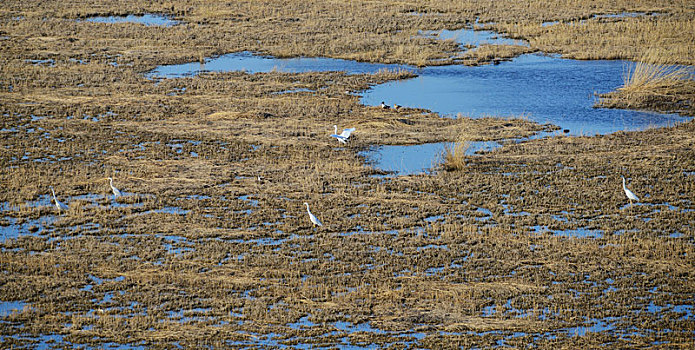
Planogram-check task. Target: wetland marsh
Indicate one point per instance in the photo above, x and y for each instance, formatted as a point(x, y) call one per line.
point(528, 241)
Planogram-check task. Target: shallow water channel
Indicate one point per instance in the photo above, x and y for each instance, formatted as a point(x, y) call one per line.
point(542, 88)
point(146, 19)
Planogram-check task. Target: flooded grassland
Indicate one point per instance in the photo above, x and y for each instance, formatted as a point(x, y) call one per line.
point(531, 242)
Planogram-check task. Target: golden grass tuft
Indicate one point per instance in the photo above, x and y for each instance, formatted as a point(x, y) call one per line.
point(652, 83)
point(454, 154)
point(651, 72)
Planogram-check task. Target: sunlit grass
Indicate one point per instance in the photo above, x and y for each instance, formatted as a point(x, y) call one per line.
point(454, 154)
point(651, 73)
point(454, 157)
point(652, 83)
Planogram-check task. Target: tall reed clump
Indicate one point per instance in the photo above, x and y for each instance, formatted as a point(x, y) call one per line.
point(650, 73)
point(653, 84)
point(454, 155)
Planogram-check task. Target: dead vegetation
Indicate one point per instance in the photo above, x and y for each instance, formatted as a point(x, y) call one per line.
point(200, 253)
point(652, 84)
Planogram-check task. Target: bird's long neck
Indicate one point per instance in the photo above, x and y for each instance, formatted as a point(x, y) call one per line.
point(54, 193)
point(623, 183)
point(336, 129)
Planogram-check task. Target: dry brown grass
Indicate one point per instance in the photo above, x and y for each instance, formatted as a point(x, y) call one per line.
point(454, 156)
point(651, 72)
point(367, 31)
point(199, 253)
point(621, 38)
point(653, 84)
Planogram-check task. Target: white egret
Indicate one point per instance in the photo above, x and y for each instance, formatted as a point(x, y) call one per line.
point(343, 136)
point(630, 195)
point(384, 105)
point(60, 205)
point(116, 192)
point(313, 218)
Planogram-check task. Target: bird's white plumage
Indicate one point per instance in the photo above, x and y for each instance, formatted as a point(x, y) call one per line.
point(313, 218)
point(343, 136)
point(60, 205)
point(630, 195)
point(346, 132)
point(116, 192)
point(339, 138)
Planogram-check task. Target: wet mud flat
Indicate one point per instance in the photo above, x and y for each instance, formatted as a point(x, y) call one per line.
point(532, 242)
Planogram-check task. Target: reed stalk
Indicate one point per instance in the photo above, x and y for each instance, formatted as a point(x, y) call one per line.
point(651, 73)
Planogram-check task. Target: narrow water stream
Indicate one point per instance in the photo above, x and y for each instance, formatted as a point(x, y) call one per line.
point(149, 19)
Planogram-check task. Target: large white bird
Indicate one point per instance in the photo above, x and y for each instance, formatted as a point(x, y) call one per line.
point(343, 136)
point(631, 196)
point(313, 218)
point(60, 205)
point(116, 192)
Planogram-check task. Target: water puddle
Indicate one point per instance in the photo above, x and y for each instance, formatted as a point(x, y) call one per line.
point(250, 63)
point(7, 308)
point(576, 233)
point(28, 227)
point(148, 20)
point(95, 281)
point(192, 315)
point(302, 323)
point(168, 210)
point(165, 210)
point(361, 327)
point(293, 91)
point(485, 214)
point(176, 245)
point(359, 230)
point(247, 198)
point(546, 89)
point(469, 37)
point(406, 160)
point(685, 311)
point(41, 341)
point(608, 15)
point(593, 326)
point(46, 62)
point(419, 159)
point(626, 15)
